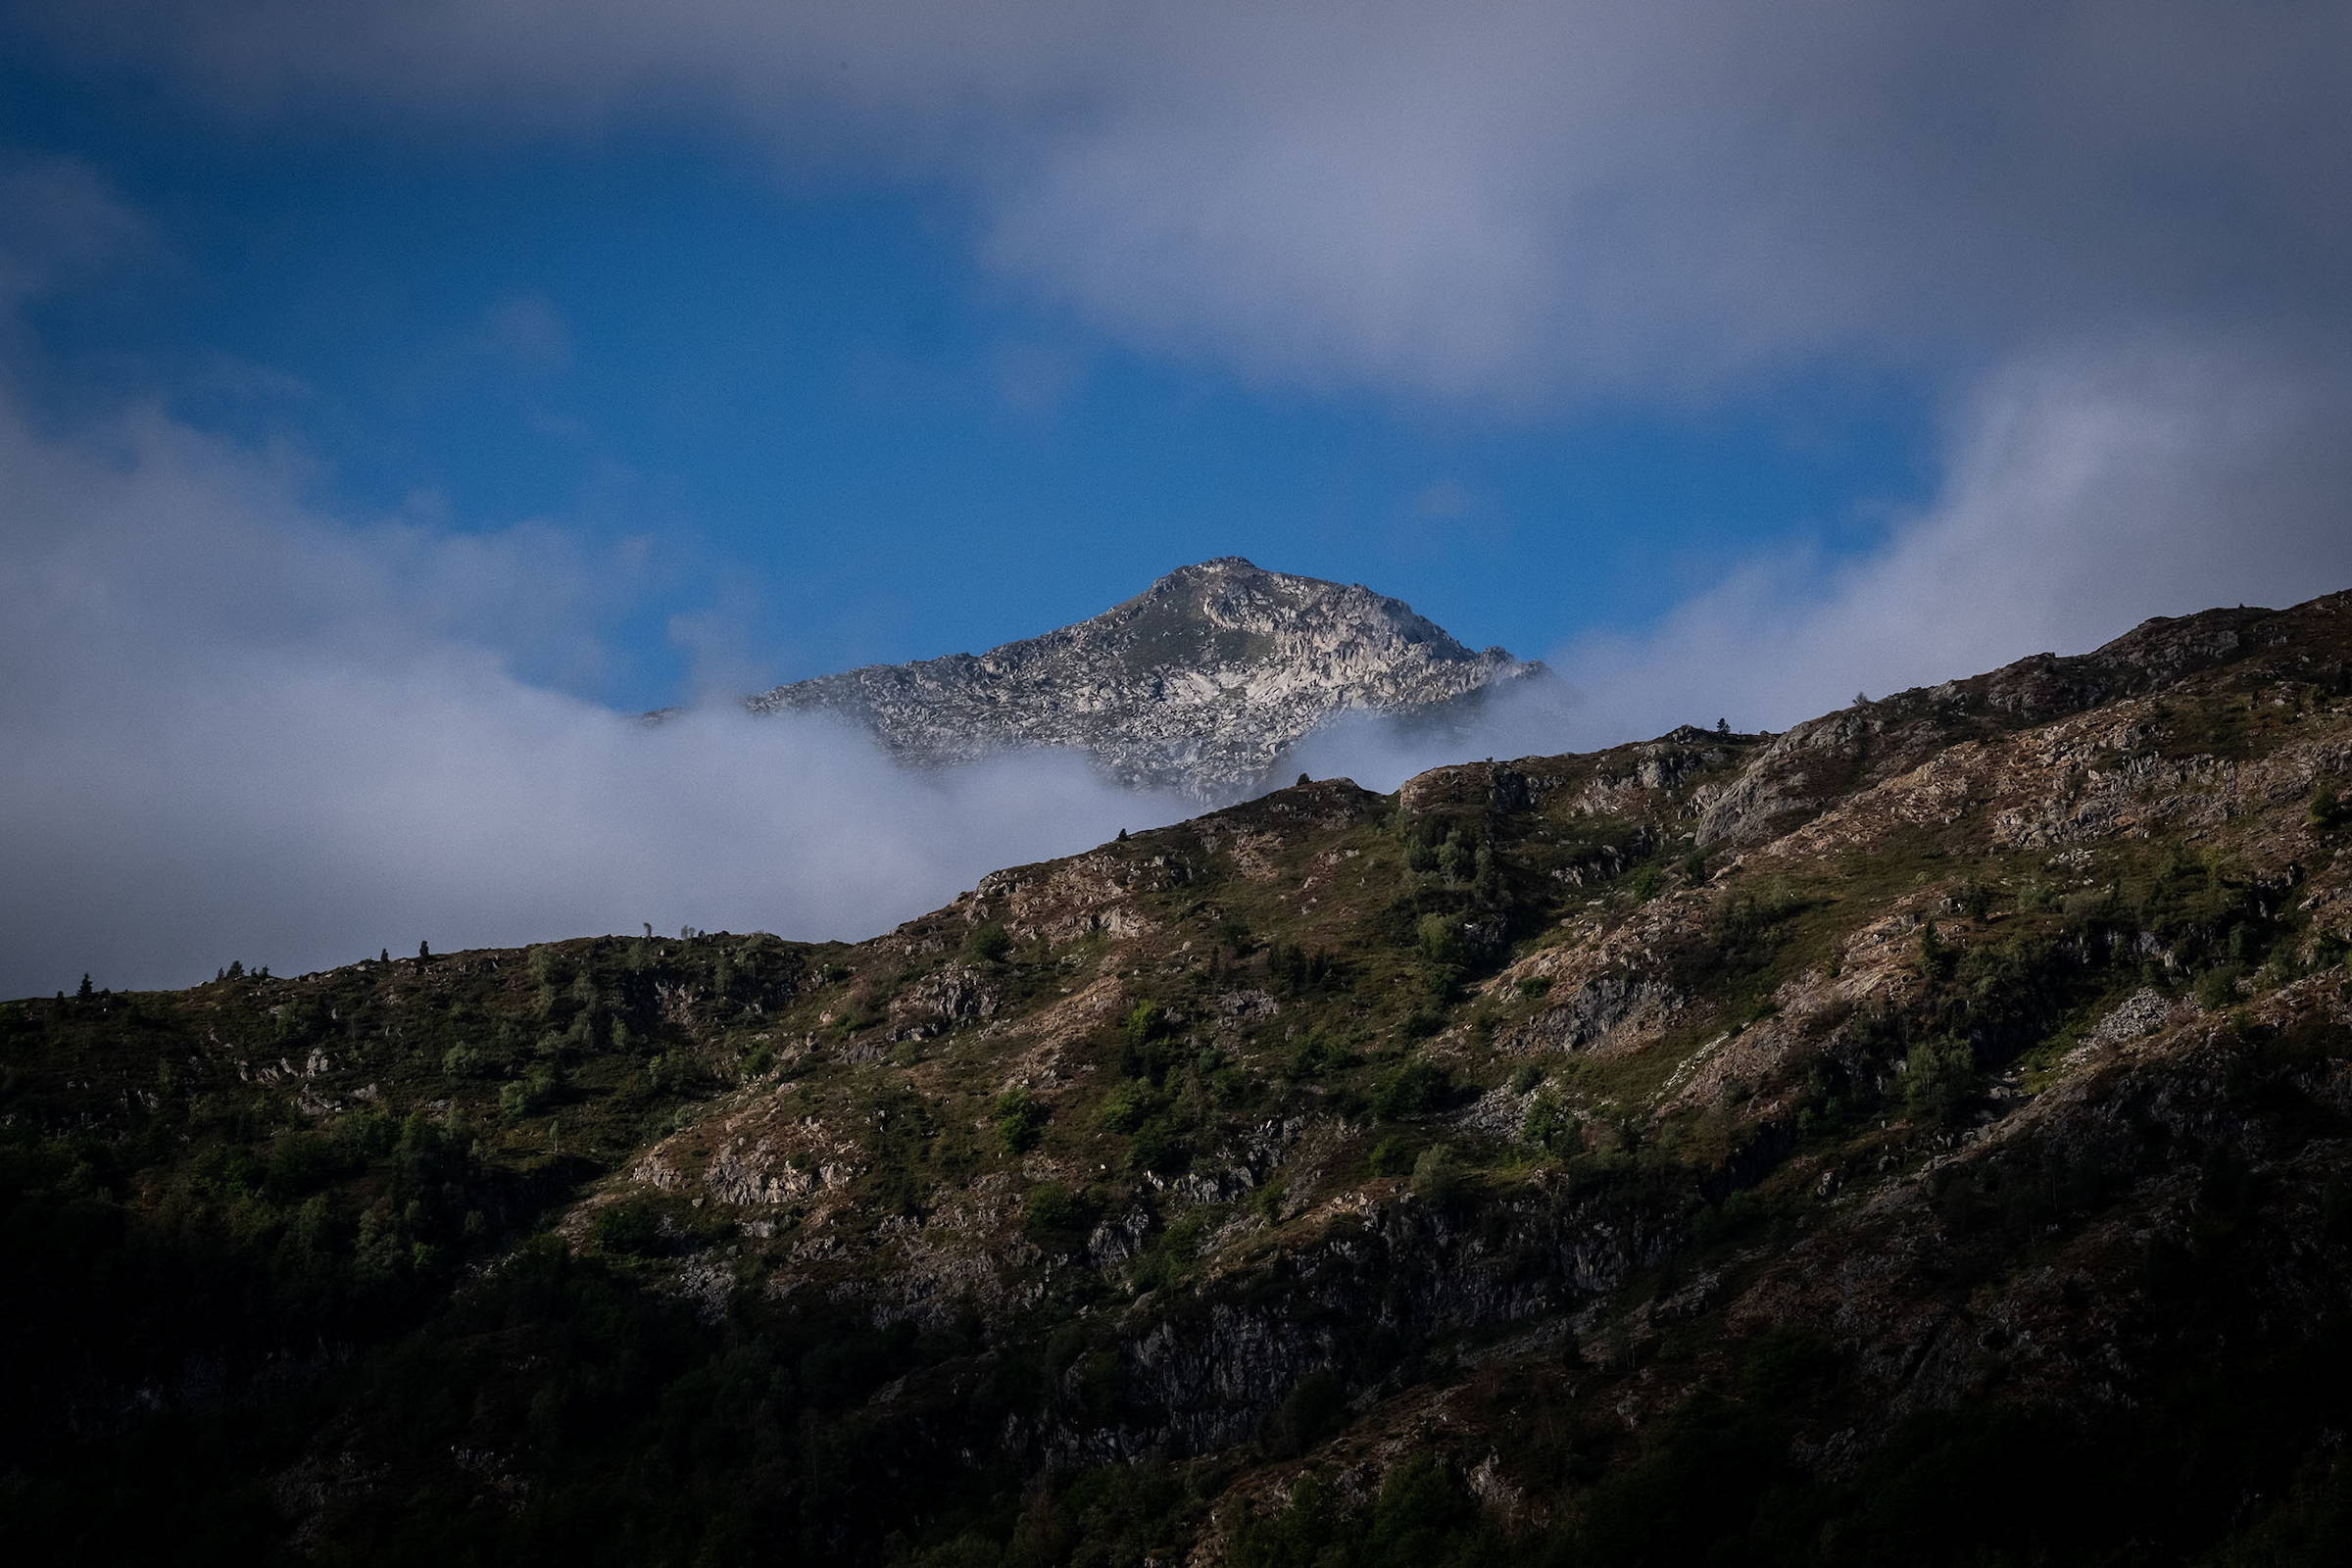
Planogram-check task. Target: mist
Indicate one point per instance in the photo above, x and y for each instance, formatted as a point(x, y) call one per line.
point(2082, 491)
point(241, 729)
point(2109, 239)
point(1535, 715)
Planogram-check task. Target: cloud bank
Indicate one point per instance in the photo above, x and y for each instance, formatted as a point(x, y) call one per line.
point(2113, 233)
point(241, 729)
point(1531, 204)
point(1500, 200)
point(2083, 493)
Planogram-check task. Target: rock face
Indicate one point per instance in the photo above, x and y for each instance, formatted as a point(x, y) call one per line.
point(1196, 684)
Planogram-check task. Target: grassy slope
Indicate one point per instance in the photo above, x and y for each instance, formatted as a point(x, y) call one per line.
point(1722, 1145)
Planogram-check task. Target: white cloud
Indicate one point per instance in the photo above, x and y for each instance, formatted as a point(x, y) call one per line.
point(239, 730)
point(1500, 200)
point(244, 729)
point(2084, 492)
point(1535, 716)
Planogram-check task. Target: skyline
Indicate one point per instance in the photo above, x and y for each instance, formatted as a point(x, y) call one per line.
point(1040, 441)
point(490, 373)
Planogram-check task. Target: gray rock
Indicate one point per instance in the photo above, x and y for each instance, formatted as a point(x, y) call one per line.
point(1199, 684)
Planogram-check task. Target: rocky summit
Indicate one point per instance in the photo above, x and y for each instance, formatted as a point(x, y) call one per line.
point(1196, 684)
point(1921, 1137)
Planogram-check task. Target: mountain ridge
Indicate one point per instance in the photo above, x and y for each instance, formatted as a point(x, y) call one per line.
point(1199, 683)
point(1923, 1135)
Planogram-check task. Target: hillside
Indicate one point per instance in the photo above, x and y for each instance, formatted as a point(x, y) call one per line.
point(1198, 684)
point(1921, 1136)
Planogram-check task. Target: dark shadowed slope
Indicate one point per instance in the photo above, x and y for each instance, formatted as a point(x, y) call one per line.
point(1923, 1136)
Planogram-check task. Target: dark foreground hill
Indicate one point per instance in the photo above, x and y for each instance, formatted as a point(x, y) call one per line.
point(1924, 1137)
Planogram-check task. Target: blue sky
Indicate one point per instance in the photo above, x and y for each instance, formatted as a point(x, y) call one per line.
point(852, 444)
point(398, 395)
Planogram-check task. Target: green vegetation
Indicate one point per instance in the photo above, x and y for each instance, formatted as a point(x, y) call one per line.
point(1463, 1177)
point(1020, 1120)
point(1940, 1080)
point(1412, 1088)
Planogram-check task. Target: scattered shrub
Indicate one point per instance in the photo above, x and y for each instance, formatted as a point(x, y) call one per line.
point(1441, 941)
point(1020, 1120)
point(1160, 1147)
point(1970, 897)
point(1315, 1408)
point(1437, 1177)
point(1128, 1106)
point(1054, 1216)
point(1144, 1022)
point(1549, 1127)
point(1410, 1089)
point(1939, 1078)
point(2218, 987)
point(1312, 1056)
point(631, 1226)
point(1935, 959)
point(530, 1093)
point(1298, 969)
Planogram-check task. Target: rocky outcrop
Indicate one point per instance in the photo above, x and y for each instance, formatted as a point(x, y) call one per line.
point(1199, 684)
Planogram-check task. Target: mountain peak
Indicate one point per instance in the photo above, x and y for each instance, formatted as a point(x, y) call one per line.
point(1219, 565)
point(1198, 683)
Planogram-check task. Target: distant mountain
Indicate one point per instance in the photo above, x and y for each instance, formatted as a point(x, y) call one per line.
point(1198, 683)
